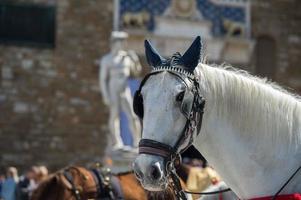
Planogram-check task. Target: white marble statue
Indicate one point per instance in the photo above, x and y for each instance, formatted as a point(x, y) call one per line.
point(115, 69)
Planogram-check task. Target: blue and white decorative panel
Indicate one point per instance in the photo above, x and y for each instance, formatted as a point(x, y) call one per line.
point(224, 15)
point(149, 8)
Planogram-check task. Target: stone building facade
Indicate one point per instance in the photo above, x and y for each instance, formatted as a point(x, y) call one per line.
point(50, 104)
point(276, 28)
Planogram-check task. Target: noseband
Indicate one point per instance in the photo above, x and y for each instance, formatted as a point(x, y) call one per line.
point(192, 108)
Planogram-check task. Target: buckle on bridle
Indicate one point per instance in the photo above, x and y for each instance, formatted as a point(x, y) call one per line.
point(174, 162)
point(193, 125)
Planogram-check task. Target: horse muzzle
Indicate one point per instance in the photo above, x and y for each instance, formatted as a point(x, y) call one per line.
point(149, 170)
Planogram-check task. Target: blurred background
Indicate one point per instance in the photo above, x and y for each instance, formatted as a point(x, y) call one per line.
point(51, 110)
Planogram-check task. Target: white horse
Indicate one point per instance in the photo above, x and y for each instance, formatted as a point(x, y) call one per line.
point(251, 130)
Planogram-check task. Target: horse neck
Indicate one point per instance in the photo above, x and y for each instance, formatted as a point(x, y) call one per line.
point(247, 138)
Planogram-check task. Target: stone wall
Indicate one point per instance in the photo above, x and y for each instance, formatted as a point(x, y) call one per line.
point(51, 108)
point(281, 20)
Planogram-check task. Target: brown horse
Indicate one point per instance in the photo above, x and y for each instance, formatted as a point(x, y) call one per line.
point(78, 183)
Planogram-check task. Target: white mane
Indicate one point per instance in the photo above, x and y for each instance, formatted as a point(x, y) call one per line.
point(253, 104)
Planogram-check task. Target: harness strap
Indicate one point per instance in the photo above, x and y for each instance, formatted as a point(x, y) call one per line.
point(97, 179)
point(75, 191)
point(180, 194)
point(105, 191)
point(97, 183)
point(209, 193)
point(116, 187)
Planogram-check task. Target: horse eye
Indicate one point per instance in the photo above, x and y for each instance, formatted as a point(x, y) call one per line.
point(180, 96)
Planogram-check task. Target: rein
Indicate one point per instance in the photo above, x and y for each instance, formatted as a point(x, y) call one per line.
point(180, 193)
point(287, 182)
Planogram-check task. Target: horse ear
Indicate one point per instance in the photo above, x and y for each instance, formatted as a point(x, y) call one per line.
point(153, 57)
point(192, 56)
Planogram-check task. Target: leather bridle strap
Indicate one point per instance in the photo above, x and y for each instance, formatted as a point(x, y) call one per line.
point(180, 194)
point(69, 177)
point(104, 191)
point(98, 180)
point(152, 147)
point(153, 151)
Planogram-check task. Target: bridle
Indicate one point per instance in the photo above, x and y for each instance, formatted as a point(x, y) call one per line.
point(192, 108)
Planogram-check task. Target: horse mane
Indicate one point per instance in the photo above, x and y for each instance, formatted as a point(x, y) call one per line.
point(261, 80)
point(261, 107)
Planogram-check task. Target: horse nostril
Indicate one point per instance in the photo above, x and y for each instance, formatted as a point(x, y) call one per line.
point(138, 174)
point(155, 172)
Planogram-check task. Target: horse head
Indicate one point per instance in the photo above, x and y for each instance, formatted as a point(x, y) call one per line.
point(169, 104)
